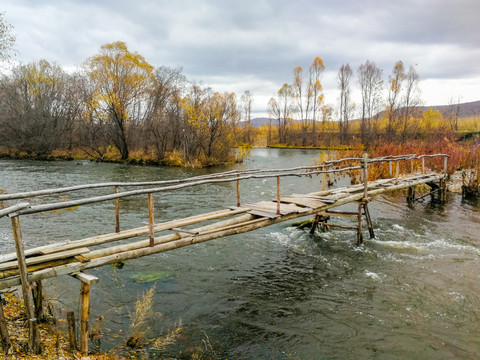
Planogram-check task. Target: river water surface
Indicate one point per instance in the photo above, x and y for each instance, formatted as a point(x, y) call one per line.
point(278, 292)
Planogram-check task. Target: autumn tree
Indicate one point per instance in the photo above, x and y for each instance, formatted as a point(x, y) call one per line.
point(247, 101)
point(123, 82)
point(40, 108)
point(344, 78)
point(282, 108)
point(211, 117)
point(308, 94)
point(315, 89)
point(371, 83)
point(411, 99)
point(395, 84)
point(164, 128)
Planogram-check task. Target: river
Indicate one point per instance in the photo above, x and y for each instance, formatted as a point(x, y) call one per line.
point(413, 292)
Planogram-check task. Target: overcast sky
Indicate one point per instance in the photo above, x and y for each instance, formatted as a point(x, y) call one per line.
point(255, 44)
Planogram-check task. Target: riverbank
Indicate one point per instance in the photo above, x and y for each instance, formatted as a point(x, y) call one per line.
point(54, 342)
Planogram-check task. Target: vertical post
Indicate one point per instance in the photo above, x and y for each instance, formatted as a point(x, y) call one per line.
point(151, 219)
point(445, 165)
point(390, 168)
point(397, 171)
point(33, 339)
point(369, 221)
point(85, 311)
point(37, 293)
point(238, 192)
point(72, 336)
point(4, 338)
point(411, 166)
point(86, 280)
point(117, 211)
point(365, 175)
point(423, 165)
point(278, 195)
point(359, 229)
point(314, 224)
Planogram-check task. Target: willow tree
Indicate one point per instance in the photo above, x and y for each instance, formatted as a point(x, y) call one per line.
point(122, 83)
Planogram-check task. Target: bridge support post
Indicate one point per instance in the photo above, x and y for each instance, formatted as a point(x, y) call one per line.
point(369, 220)
point(4, 337)
point(85, 280)
point(117, 211)
point(363, 210)
point(33, 336)
point(411, 194)
point(359, 228)
point(443, 190)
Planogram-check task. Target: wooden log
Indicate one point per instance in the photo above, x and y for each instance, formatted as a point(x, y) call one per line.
point(12, 209)
point(346, 214)
point(106, 238)
point(4, 337)
point(31, 268)
point(164, 239)
point(33, 336)
point(72, 334)
point(44, 258)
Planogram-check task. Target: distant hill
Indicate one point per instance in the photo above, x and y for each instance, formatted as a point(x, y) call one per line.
point(464, 109)
point(467, 109)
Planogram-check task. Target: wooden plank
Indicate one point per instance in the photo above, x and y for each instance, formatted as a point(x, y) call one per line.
point(285, 209)
point(106, 238)
point(306, 202)
point(86, 278)
point(45, 258)
point(264, 214)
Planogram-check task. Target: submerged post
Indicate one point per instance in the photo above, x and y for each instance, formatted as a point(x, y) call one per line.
point(151, 219)
point(278, 195)
point(365, 176)
point(117, 211)
point(238, 192)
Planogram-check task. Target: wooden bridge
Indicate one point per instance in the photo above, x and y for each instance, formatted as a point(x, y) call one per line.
point(27, 267)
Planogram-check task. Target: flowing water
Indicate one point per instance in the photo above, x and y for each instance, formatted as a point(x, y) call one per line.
point(278, 292)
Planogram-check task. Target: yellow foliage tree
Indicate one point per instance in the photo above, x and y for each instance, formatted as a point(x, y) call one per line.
point(122, 82)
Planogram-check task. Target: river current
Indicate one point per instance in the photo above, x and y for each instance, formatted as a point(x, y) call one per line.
point(413, 292)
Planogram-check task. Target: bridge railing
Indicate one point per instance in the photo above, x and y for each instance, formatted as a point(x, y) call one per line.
point(327, 167)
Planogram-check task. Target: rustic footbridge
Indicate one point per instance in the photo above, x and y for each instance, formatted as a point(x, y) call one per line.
point(28, 267)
